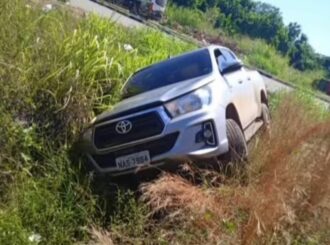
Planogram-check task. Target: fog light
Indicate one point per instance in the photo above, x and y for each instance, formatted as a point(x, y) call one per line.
point(207, 133)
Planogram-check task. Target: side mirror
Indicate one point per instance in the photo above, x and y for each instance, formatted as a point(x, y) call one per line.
point(231, 67)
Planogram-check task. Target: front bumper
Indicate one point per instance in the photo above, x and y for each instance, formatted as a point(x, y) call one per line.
point(195, 136)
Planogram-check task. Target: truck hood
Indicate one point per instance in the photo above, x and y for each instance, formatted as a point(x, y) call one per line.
point(155, 97)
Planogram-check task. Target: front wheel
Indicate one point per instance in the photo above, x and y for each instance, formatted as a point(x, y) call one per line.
point(238, 150)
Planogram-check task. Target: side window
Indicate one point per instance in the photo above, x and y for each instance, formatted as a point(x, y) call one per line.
point(221, 59)
point(227, 61)
point(229, 56)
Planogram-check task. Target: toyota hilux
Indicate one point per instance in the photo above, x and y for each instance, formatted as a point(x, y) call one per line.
point(200, 105)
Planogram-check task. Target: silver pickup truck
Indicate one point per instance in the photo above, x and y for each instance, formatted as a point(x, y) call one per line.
point(197, 106)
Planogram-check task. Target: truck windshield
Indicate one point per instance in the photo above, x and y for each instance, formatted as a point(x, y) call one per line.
point(168, 72)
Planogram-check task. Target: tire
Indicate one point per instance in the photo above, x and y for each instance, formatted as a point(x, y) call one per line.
point(238, 150)
point(266, 118)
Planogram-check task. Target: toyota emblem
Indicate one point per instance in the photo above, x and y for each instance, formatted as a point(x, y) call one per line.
point(124, 127)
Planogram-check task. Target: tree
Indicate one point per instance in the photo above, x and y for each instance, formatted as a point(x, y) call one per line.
point(260, 20)
point(282, 41)
point(294, 31)
point(303, 56)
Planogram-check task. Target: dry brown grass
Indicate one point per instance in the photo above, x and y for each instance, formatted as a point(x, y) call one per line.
point(100, 237)
point(290, 171)
point(176, 196)
point(175, 201)
point(287, 192)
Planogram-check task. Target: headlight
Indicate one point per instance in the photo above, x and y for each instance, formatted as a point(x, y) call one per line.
point(188, 103)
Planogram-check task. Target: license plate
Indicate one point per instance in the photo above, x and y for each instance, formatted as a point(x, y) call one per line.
point(133, 160)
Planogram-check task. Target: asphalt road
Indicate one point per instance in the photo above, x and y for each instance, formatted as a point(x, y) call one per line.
point(92, 7)
point(275, 86)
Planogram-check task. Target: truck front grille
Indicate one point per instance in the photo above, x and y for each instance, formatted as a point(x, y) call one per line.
point(143, 126)
point(155, 148)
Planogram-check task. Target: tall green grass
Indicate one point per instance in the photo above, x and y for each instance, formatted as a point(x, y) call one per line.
point(192, 20)
point(57, 70)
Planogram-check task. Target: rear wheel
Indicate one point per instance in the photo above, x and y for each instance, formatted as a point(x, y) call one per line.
point(266, 118)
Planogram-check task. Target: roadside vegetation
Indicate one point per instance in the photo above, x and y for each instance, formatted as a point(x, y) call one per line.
point(57, 70)
point(257, 32)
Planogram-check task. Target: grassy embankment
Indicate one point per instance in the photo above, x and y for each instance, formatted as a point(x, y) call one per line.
point(56, 71)
point(255, 52)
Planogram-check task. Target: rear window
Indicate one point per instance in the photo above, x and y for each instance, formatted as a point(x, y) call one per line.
point(168, 72)
point(161, 2)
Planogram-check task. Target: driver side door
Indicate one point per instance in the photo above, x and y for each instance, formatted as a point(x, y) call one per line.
point(242, 89)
